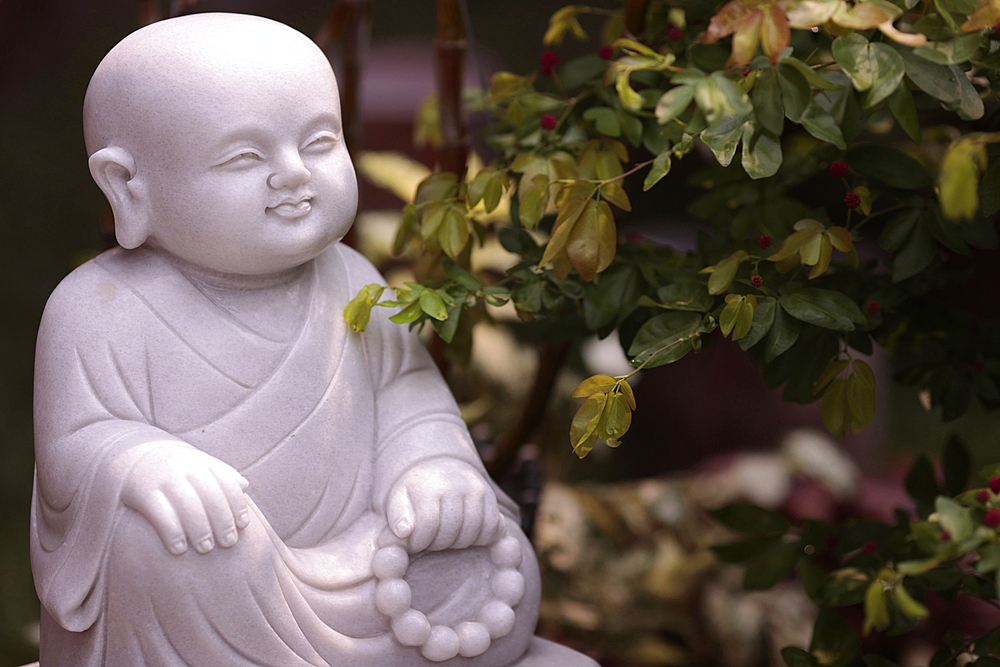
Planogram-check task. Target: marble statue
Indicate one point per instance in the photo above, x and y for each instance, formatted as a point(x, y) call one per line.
point(225, 473)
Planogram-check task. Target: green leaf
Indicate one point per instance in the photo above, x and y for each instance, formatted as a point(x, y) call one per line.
point(761, 152)
point(583, 430)
point(796, 657)
point(957, 465)
point(907, 604)
point(615, 419)
point(742, 550)
point(595, 384)
point(751, 519)
point(824, 308)
point(821, 125)
point(916, 254)
point(721, 100)
point(898, 229)
point(359, 309)
point(660, 168)
point(408, 314)
point(605, 120)
point(920, 482)
point(766, 98)
point(432, 304)
point(952, 52)
point(446, 328)
point(441, 186)
point(889, 165)
point(812, 76)
point(795, 90)
point(771, 566)
point(876, 608)
point(666, 338)
point(835, 408)
point(723, 144)
point(686, 295)
point(860, 402)
point(946, 83)
point(783, 334)
point(762, 321)
point(833, 641)
point(902, 107)
point(673, 103)
point(954, 517)
point(989, 190)
point(460, 275)
point(871, 66)
point(723, 273)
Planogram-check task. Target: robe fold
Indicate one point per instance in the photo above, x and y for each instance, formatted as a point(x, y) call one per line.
point(132, 355)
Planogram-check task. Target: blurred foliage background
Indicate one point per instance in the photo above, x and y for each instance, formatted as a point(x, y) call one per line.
point(632, 554)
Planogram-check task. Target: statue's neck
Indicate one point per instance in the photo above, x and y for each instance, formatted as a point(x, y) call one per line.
point(235, 281)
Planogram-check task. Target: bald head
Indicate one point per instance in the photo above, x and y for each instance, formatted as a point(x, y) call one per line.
point(167, 68)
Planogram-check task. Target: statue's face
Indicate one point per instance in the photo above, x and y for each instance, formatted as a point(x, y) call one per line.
point(252, 175)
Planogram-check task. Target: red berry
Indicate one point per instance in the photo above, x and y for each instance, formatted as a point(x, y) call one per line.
point(945, 536)
point(548, 122)
point(996, 28)
point(549, 60)
point(983, 496)
point(633, 238)
point(746, 72)
point(838, 169)
point(756, 281)
point(873, 307)
point(978, 366)
point(992, 518)
point(869, 547)
point(606, 52)
point(765, 241)
point(995, 483)
point(852, 200)
point(675, 34)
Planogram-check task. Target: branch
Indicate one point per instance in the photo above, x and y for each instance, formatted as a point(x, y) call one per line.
point(449, 70)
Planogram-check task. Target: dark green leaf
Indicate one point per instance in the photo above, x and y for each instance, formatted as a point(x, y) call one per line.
point(989, 190)
point(447, 328)
point(957, 464)
point(834, 639)
point(795, 91)
point(920, 482)
point(460, 275)
point(821, 125)
point(762, 321)
point(916, 254)
point(751, 519)
point(988, 643)
point(796, 657)
point(782, 335)
point(723, 144)
point(902, 107)
point(951, 52)
point(605, 120)
point(824, 308)
point(766, 98)
point(771, 566)
point(686, 295)
point(743, 550)
point(946, 83)
point(873, 660)
point(898, 230)
point(889, 165)
point(666, 338)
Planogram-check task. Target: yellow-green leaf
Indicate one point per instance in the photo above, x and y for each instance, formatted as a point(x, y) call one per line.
point(907, 604)
point(724, 272)
point(864, 371)
point(833, 370)
point(823, 263)
point(433, 216)
point(840, 238)
point(615, 419)
point(563, 21)
point(959, 180)
point(627, 393)
point(616, 195)
point(453, 233)
point(860, 402)
point(660, 168)
point(593, 385)
point(583, 430)
point(835, 407)
point(432, 304)
point(876, 608)
point(359, 309)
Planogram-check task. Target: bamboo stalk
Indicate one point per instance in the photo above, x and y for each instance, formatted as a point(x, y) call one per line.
point(348, 30)
point(449, 69)
point(635, 16)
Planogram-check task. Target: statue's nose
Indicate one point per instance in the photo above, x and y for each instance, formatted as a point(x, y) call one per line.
point(290, 173)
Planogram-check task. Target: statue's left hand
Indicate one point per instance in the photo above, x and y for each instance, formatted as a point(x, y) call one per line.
point(442, 504)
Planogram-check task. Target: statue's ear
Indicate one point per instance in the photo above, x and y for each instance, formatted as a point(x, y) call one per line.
point(114, 170)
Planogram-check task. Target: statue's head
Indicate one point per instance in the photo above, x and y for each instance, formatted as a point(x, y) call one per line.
point(217, 138)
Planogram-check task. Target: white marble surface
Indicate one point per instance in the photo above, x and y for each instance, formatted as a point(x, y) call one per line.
point(225, 473)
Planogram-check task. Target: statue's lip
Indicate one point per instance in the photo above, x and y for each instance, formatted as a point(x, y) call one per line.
point(292, 209)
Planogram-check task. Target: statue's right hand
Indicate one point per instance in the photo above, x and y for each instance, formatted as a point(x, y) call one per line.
point(189, 497)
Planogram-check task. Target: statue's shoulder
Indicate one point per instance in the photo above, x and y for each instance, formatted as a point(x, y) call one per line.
point(92, 297)
point(360, 271)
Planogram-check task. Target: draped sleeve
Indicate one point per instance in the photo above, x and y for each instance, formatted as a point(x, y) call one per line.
point(92, 423)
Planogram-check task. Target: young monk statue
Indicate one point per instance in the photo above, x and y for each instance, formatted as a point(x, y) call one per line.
point(226, 474)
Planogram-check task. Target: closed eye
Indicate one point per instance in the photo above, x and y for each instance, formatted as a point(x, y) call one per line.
point(321, 142)
point(242, 158)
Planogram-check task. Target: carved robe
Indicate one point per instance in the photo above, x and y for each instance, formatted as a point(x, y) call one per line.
point(131, 354)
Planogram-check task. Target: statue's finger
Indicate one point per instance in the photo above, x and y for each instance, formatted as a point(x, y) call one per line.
point(233, 486)
point(427, 512)
point(217, 507)
point(161, 515)
point(450, 521)
point(188, 505)
point(400, 513)
point(472, 520)
point(492, 520)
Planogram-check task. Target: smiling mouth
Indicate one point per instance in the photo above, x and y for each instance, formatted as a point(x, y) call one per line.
point(292, 210)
